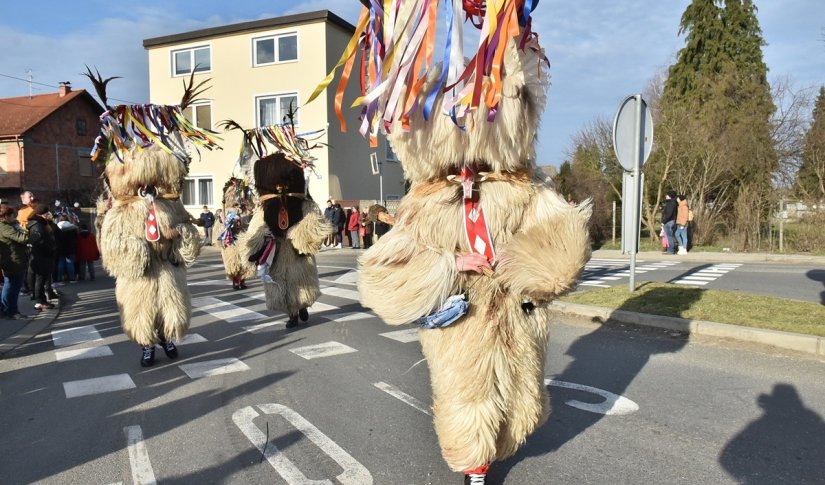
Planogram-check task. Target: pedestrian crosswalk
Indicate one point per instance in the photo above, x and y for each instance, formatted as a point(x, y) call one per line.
point(214, 305)
point(601, 272)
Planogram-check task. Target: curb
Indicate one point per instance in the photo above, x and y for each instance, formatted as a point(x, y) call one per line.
point(33, 327)
point(718, 257)
point(809, 344)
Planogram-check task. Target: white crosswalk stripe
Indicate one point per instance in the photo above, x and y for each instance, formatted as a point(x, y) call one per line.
point(404, 336)
point(704, 276)
point(223, 310)
point(600, 272)
point(98, 385)
point(326, 349)
point(215, 367)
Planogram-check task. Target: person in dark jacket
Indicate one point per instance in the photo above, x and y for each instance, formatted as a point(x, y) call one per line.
point(669, 219)
point(13, 261)
point(339, 220)
point(329, 215)
point(43, 252)
point(66, 239)
point(207, 220)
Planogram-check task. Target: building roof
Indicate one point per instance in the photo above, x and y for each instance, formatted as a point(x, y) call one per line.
point(19, 115)
point(301, 18)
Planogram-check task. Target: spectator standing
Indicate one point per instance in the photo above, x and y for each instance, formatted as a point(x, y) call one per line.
point(13, 261)
point(366, 229)
point(682, 223)
point(669, 220)
point(329, 215)
point(352, 227)
point(27, 200)
point(87, 253)
point(66, 239)
point(27, 209)
point(207, 219)
point(74, 213)
point(43, 250)
point(339, 220)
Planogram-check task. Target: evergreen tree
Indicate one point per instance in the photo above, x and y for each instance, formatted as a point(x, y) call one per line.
point(811, 176)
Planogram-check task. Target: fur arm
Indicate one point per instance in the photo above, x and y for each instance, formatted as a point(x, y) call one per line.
point(253, 239)
point(188, 243)
point(310, 232)
point(545, 259)
point(402, 281)
point(123, 248)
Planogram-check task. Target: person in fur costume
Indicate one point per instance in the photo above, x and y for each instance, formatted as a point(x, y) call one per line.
point(287, 228)
point(480, 246)
point(146, 237)
point(237, 195)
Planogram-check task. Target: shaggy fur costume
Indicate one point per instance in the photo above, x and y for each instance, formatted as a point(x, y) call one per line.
point(235, 265)
point(151, 290)
point(293, 271)
point(487, 369)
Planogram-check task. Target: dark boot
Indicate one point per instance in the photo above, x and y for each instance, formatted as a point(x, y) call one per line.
point(303, 314)
point(148, 358)
point(170, 349)
point(292, 322)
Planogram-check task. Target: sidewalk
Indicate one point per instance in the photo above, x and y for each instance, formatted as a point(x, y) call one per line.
point(14, 333)
point(716, 257)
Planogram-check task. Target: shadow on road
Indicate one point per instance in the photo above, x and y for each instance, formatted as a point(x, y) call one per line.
point(818, 275)
point(608, 358)
point(785, 445)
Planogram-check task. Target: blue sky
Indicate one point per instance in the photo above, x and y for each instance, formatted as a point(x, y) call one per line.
point(600, 50)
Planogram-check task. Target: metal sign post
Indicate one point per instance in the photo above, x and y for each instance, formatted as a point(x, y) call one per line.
point(632, 141)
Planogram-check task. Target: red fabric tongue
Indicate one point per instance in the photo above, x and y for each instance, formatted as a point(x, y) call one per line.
point(152, 232)
point(283, 218)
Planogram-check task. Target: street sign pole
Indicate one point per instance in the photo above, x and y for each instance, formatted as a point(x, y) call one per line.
point(632, 141)
point(636, 175)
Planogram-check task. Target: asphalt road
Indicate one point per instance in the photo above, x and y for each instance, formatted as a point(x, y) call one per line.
point(249, 402)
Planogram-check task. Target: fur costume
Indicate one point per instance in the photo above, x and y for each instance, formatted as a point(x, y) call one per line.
point(293, 275)
point(145, 234)
point(469, 153)
point(237, 267)
point(151, 291)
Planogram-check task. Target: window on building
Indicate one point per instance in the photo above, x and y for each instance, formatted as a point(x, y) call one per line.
point(85, 166)
point(197, 58)
point(271, 50)
point(197, 191)
point(200, 114)
point(80, 126)
point(272, 110)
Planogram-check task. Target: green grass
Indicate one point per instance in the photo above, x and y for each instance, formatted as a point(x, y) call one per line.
point(721, 306)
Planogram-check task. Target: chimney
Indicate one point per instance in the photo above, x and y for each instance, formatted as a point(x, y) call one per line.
point(64, 89)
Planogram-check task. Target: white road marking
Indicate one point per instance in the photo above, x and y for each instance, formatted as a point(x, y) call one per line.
point(347, 316)
point(586, 283)
point(192, 338)
point(87, 353)
point(705, 275)
point(403, 397)
point(211, 368)
point(700, 278)
point(613, 405)
point(340, 292)
point(76, 335)
point(349, 278)
point(691, 282)
point(142, 472)
point(207, 283)
point(262, 326)
point(404, 336)
point(354, 472)
point(326, 349)
point(225, 311)
point(98, 385)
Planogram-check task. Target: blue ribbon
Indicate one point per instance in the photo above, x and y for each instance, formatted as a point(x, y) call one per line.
point(445, 65)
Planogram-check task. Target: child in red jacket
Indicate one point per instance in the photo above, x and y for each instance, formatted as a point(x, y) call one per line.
point(87, 253)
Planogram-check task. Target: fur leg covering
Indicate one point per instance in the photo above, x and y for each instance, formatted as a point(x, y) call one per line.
point(154, 306)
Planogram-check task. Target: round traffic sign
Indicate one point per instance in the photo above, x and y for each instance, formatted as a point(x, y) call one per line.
point(633, 126)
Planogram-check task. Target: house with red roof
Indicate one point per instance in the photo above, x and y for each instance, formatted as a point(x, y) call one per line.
point(45, 142)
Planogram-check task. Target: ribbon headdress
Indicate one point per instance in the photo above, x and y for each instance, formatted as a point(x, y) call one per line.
point(132, 128)
point(396, 40)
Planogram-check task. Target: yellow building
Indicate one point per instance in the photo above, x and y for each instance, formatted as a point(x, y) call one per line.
point(256, 69)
